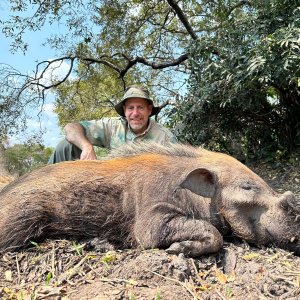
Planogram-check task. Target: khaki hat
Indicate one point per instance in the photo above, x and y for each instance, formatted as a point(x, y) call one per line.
point(136, 92)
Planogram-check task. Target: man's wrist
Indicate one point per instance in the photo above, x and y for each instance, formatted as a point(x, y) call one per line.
point(86, 146)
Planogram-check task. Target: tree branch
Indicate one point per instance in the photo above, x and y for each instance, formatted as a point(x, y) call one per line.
point(153, 65)
point(90, 60)
point(183, 18)
point(241, 3)
point(133, 61)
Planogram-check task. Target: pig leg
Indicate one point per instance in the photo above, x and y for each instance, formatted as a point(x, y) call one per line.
point(166, 226)
point(194, 238)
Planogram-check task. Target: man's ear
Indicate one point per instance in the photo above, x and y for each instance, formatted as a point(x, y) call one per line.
point(150, 109)
point(201, 182)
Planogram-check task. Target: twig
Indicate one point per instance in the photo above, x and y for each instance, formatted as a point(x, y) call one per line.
point(117, 280)
point(53, 261)
point(18, 269)
point(279, 278)
point(285, 174)
point(179, 282)
point(219, 293)
point(202, 282)
point(292, 272)
point(291, 294)
point(67, 275)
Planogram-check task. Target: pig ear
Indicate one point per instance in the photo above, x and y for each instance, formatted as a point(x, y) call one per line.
point(201, 182)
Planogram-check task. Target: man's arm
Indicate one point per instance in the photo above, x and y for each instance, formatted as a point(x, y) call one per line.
point(75, 134)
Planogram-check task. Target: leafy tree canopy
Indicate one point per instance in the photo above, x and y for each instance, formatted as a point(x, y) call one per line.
point(244, 85)
point(87, 99)
point(243, 58)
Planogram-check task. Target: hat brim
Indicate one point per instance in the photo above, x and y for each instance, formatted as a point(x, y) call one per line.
point(120, 110)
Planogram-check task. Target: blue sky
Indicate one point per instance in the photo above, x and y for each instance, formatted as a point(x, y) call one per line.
point(26, 64)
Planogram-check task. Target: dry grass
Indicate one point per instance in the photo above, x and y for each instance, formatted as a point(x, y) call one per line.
point(5, 180)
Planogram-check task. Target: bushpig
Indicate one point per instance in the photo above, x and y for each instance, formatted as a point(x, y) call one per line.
point(178, 197)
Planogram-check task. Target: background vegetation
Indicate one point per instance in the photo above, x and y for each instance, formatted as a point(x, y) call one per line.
point(227, 72)
point(22, 158)
point(244, 85)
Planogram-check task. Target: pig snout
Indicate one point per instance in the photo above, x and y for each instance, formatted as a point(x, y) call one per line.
point(285, 229)
point(287, 197)
point(289, 203)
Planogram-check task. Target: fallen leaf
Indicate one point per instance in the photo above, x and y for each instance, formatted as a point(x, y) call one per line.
point(132, 282)
point(297, 282)
point(269, 260)
point(110, 256)
point(8, 275)
point(251, 256)
point(221, 276)
point(231, 277)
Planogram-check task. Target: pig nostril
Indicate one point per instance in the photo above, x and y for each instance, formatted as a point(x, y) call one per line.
point(288, 195)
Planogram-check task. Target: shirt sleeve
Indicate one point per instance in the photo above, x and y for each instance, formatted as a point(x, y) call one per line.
point(160, 134)
point(98, 132)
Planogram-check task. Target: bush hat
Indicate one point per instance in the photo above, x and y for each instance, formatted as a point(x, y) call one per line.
point(136, 91)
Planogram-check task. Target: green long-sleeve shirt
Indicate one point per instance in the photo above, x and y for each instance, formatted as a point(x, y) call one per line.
point(113, 132)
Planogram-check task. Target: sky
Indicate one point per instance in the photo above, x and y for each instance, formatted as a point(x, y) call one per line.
point(26, 64)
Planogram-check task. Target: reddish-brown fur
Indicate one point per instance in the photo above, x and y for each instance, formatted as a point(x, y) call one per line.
point(177, 197)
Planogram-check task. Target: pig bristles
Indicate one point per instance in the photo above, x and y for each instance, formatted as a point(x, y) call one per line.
point(137, 148)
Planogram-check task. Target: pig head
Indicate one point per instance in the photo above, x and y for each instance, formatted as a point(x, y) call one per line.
point(177, 197)
point(252, 210)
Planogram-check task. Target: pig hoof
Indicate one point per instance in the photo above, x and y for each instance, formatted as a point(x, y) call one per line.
point(176, 248)
point(98, 245)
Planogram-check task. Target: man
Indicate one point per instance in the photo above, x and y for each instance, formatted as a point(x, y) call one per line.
point(135, 124)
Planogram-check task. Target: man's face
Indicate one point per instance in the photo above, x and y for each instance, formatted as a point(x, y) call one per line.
point(137, 112)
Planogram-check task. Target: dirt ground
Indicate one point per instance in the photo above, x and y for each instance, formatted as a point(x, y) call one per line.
point(66, 270)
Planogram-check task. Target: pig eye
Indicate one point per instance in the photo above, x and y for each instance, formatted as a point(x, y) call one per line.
point(247, 187)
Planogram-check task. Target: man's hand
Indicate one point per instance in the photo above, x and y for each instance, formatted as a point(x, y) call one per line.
point(88, 153)
point(75, 135)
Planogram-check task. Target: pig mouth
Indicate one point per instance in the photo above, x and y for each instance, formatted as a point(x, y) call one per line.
point(291, 247)
point(292, 244)
point(268, 238)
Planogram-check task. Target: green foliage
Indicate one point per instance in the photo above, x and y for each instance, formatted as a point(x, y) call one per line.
point(78, 248)
point(100, 152)
point(127, 29)
point(244, 86)
point(87, 99)
point(243, 65)
point(22, 158)
point(132, 297)
point(35, 244)
point(48, 278)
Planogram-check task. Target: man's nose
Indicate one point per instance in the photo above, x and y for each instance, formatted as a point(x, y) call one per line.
point(135, 111)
